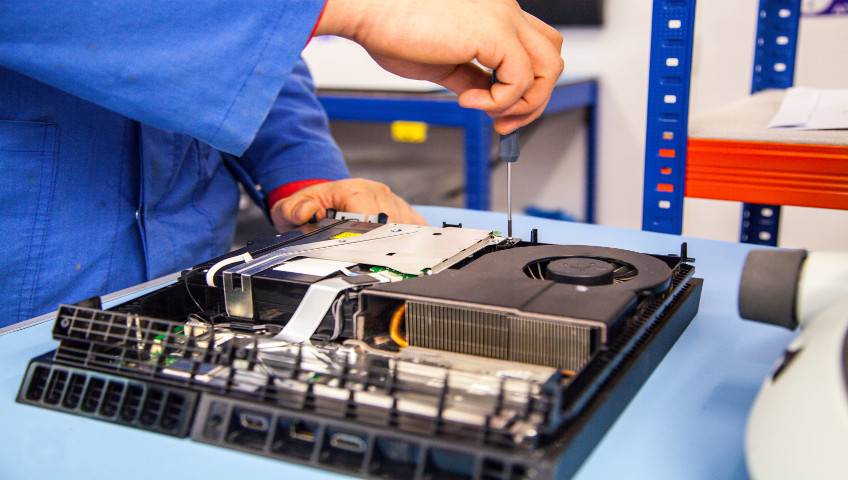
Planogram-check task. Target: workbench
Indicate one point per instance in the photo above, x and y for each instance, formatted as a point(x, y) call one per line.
point(440, 107)
point(687, 421)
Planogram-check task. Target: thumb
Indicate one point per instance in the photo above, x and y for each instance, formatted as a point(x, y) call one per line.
point(294, 211)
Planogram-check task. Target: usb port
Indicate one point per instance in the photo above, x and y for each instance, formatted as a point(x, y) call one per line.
point(248, 428)
point(252, 421)
point(348, 443)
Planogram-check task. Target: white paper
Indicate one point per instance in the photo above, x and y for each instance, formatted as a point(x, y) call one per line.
point(812, 109)
point(313, 266)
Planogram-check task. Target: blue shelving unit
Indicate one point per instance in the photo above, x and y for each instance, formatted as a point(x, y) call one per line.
point(441, 108)
point(672, 37)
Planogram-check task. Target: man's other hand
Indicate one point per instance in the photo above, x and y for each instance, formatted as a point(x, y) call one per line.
point(355, 195)
point(438, 40)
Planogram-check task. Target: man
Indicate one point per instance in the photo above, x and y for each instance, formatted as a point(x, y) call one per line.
point(124, 125)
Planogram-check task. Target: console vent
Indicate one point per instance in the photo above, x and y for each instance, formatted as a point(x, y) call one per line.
point(148, 405)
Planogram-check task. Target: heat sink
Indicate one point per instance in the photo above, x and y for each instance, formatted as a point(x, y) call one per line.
point(494, 334)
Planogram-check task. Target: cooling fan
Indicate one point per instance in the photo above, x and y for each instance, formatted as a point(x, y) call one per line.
point(581, 270)
point(581, 265)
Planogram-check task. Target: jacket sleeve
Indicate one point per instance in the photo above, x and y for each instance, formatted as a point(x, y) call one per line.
point(294, 143)
point(205, 68)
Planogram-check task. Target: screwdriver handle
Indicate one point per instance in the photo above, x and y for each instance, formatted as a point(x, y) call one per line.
point(509, 149)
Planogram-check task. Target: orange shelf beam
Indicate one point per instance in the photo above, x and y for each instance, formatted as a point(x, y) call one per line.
point(768, 173)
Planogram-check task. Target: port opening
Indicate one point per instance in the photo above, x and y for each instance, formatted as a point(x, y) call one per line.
point(295, 438)
point(73, 393)
point(344, 449)
point(55, 387)
point(93, 392)
point(112, 399)
point(493, 469)
point(449, 465)
point(37, 383)
point(248, 428)
point(394, 458)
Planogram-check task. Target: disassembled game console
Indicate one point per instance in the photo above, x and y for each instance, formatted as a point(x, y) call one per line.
point(381, 350)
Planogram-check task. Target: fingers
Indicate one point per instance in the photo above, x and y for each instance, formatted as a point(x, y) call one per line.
point(296, 210)
point(515, 76)
point(406, 214)
point(536, 98)
point(368, 197)
point(352, 195)
point(364, 202)
point(466, 77)
point(542, 46)
point(551, 33)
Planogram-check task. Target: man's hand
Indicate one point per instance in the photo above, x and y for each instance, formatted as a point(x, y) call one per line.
point(437, 40)
point(354, 195)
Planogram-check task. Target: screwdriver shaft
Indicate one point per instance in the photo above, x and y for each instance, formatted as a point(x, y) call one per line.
point(509, 200)
point(508, 151)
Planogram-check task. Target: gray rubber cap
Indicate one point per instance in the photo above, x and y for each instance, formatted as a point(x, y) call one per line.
point(768, 292)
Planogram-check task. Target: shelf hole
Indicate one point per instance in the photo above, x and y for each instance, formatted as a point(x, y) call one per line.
point(671, 99)
point(780, 67)
point(664, 204)
point(758, 68)
point(668, 153)
point(763, 14)
point(784, 13)
point(761, 41)
point(675, 24)
point(672, 62)
point(665, 188)
point(782, 40)
point(665, 171)
point(767, 212)
point(765, 236)
point(668, 135)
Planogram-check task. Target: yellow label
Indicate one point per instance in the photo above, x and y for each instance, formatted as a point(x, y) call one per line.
point(409, 132)
point(347, 235)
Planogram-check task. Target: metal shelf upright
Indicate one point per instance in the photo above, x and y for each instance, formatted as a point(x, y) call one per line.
point(667, 146)
point(672, 36)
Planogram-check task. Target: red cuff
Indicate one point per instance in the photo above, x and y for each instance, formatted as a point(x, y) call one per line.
point(290, 189)
point(320, 16)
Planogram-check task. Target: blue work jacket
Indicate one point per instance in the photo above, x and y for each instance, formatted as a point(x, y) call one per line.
point(124, 127)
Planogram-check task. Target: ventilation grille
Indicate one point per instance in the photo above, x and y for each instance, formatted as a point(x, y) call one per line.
point(487, 333)
point(142, 405)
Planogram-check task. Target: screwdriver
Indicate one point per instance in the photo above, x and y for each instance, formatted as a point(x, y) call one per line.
point(508, 151)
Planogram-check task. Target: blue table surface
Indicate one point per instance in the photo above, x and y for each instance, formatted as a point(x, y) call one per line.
point(687, 421)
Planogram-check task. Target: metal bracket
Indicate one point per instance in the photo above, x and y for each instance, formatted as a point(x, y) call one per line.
point(238, 288)
point(409, 249)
